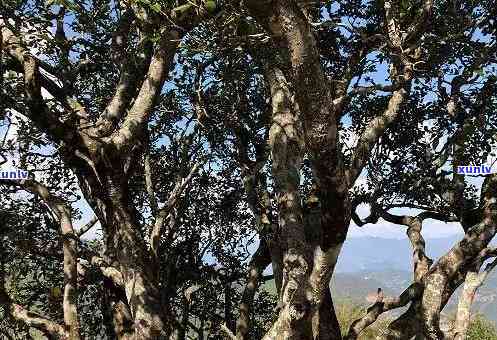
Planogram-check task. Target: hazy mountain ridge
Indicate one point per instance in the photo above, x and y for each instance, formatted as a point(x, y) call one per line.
point(369, 263)
point(377, 254)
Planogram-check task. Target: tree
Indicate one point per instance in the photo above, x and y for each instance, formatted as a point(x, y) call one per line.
point(192, 128)
point(307, 309)
point(101, 151)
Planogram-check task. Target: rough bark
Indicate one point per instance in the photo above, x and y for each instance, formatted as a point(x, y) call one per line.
point(48, 327)
point(472, 282)
point(70, 299)
point(382, 305)
point(160, 64)
point(443, 278)
point(103, 172)
point(475, 240)
point(463, 315)
point(102, 157)
point(410, 323)
point(286, 145)
point(292, 33)
point(117, 317)
point(128, 251)
point(405, 326)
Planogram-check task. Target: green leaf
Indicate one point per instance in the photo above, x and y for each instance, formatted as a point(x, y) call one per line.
point(210, 6)
point(156, 7)
point(154, 38)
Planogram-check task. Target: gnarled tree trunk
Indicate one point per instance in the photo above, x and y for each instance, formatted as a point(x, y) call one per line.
point(449, 272)
point(126, 249)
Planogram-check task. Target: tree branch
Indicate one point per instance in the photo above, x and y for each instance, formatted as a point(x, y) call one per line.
point(38, 111)
point(29, 318)
point(84, 229)
point(69, 242)
point(228, 333)
point(130, 74)
point(105, 269)
point(372, 133)
point(144, 103)
point(19, 55)
point(260, 260)
point(381, 306)
point(149, 184)
point(180, 186)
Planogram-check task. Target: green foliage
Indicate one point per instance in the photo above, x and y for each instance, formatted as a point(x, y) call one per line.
point(155, 6)
point(348, 312)
point(212, 231)
point(481, 329)
point(210, 5)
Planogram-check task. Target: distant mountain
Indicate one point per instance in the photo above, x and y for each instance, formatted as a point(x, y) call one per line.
point(378, 254)
point(369, 263)
point(357, 286)
point(360, 287)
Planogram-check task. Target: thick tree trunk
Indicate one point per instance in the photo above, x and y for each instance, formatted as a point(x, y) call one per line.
point(101, 157)
point(432, 305)
point(286, 144)
point(125, 248)
point(307, 264)
point(140, 281)
point(117, 318)
point(306, 309)
point(325, 322)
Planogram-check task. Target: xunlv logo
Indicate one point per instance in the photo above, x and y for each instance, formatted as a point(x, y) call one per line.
point(473, 169)
point(13, 174)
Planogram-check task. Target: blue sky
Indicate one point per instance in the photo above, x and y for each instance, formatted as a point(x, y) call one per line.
point(432, 229)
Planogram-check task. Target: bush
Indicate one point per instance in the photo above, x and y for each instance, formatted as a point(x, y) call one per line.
point(481, 329)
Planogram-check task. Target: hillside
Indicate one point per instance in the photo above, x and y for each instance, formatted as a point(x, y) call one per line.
point(369, 263)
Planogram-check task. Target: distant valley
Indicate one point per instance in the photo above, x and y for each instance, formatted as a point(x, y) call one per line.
point(357, 287)
point(369, 263)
